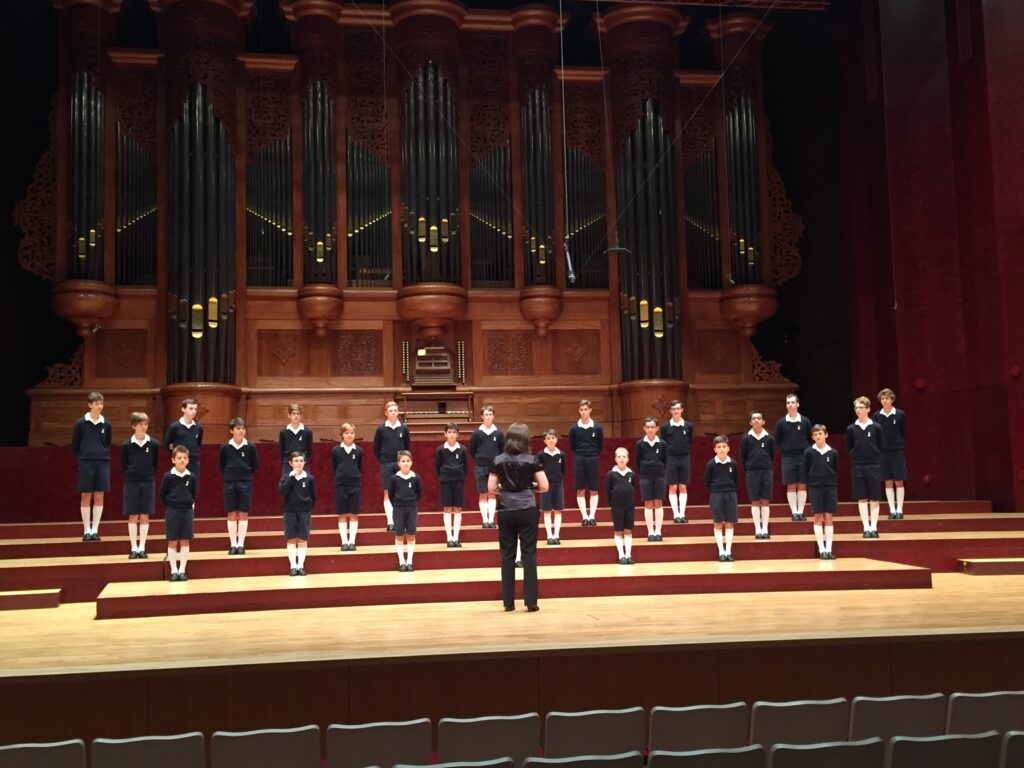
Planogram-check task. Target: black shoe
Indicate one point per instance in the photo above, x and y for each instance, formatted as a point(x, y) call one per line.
point(874, 534)
point(232, 550)
point(651, 537)
point(344, 548)
point(182, 576)
point(892, 516)
point(451, 544)
point(722, 559)
point(293, 572)
point(899, 515)
point(142, 555)
point(96, 537)
point(822, 555)
point(174, 577)
point(551, 540)
point(519, 563)
point(241, 551)
point(391, 526)
point(402, 568)
point(622, 561)
point(458, 544)
point(867, 534)
point(831, 556)
point(683, 520)
point(557, 541)
point(729, 558)
point(766, 535)
point(134, 555)
point(510, 608)
point(302, 571)
point(352, 547)
point(409, 568)
point(629, 561)
point(532, 608)
point(86, 537)
point(660, 537)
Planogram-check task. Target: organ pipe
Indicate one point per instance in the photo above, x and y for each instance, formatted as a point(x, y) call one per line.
point(268, 215)
point(490, 218)
point(369, 217)
point(85, 179)
point(538, 202)
point(319, 186)
point(135, 212)
point(586, 220)
point(700, 188)
point(744, 190)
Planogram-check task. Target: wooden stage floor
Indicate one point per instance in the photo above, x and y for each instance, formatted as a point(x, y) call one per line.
point(68, 640)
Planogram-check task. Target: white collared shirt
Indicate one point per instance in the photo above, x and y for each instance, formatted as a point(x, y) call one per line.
point(452, 448)
point(238, 446)
point(622, 472)
point(186, 426)
point(757, 437)
point(389, 425)
point(347, 448)
point(824, 450)
point(174, 471)
point(676, 423)
point(145, 439)
point(294, 430)
point(720, 461)
point(406, 477)
point(655, 441)
point(588, 425)
point(886, 413)
point(794, 419)
point(549, 452)
point(488, 430)
point(301, 476)
point(864, 424)
point(100, 420)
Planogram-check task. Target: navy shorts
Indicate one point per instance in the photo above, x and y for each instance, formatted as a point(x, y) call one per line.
point(178, 524)
point(453, 493)
point(237, 495)
point(138, 498)
point(793, 469)
point(677, 470)
point(405, 521)
point(652, 488)
point(93, 476)
point(759, 484)
point(623, 517)
point(296, 524)
point(585, 470)
point(553, 499)
point(894, 465)
point(723, 508)
point(866, 482)
point(480, 473)
point(824, 499)
point(347, 499)
point(387, 469)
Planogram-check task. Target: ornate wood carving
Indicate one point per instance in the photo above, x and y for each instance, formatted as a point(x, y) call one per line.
point(34, 216)
point(718, 352)
point(136, 105)
point(698, 119)
point(635, 79)
point(365, 87)
point(575, 352)
point(487, 93)
point(282, 353)
point(766, 371)
point(356, 353)
point(584, 120)
point(787, 227)
point(508, 353)
point(268, 106)
point(121, 353)
point(67, 374)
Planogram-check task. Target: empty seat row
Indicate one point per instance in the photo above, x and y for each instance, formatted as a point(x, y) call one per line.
point(517, 739)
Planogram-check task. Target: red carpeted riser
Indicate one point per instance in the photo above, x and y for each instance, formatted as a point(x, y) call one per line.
point(83, 582)
point(19, 601)
point(116, 525)
point(116, 541)
point(172, 604)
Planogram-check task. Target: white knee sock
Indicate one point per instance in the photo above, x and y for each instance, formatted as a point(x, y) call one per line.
point(900, 492)
point(627, 544)
point(765, 511)
point(409, 549)
point(353, 527)
point(874, 515)
point(133, 534)
point(890, 498)
point(172, 558)
point(720, 541)
point(446, 517)
point(293, 552)
point(86, 522)
point(828, 537)
point(674, 503)
point(243, 528)
point(819, 536)
point(801, 501)
point(791, 498)
point(659, 518)
point(682, 505)
point(343, 532)
point(492, 509)
point(755, 514)
point(728, 540)
point(558, 524)
point(97, 513)
point(619, 547)
point(483, 510)
point(456, 525)
point(233, 532)
point(593, 505)
point(547, 525)
point(401, 552)
point(143, 532)
point(581, 502)
point(300, 556)
point(182, 558)
point(862, 508)
point(649, 520)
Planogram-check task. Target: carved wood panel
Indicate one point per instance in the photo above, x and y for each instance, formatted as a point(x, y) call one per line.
point(268, 106)
point(364, 87)
point(487, 93)
point(136, 105)
point(34, 215)
point(718, 352)
point(508, 353)
point(584, 107)
point(356, 353)
point(121, 353)
point(575, 352)
point(282, 353)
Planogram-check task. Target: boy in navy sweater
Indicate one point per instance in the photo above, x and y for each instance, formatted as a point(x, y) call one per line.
point(586, 440)
point(552, 501)
point(620, 487)
point(721, 479)
point(757, 455)
point(650, 459)
point(178, 495)
point(864, 444)
point(140, 455)
point(450, 465)
point(486, 442)
point(298, 488)
point(347, 468)
point(90, 440)
point(405, 489)
point(821, 468)
point(391, 437)
point(294, 436)
point(238, 461)
point(792, 437)
point(187, 432)
point(677, 434)
point(894, 463)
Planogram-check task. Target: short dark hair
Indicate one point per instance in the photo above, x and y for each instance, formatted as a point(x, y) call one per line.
point(674, 403)
point(238, 421)
point(759, 413)
point(721, 439)
point(138, 417)
point(179, 449)
point(400, 454)
point(95, 397)
point(819, 428)
point(451, 425)
point(517, 438)
point(551, 431)
point(188, 401)
point(296, 455)
point(650, 420)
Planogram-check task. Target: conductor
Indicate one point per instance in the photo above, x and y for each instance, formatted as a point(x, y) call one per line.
point(516, 474)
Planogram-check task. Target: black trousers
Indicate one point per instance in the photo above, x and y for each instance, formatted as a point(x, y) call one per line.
point(518, 525)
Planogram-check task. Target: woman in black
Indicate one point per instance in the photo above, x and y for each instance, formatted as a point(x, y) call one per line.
point(517, 475)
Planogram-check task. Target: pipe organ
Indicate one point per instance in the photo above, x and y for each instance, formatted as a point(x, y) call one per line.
point(418, 179)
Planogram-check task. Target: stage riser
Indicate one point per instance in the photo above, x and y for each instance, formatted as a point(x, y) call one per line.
point(84, 582)
point(17, 601)
point(116, 525)
point(280, 599)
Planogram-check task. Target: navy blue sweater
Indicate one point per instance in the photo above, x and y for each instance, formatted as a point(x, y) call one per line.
point(620, 489)
point(650, 459)
point(405, 491)
point(678, 439)
point(190, 437)
point(864, 445)
point(586, 441)
point(238, 463)
point(894, 429)
point(553, 466)
point(721, 478)
point(388, 441)
point(299, 495)
point(793, 437)
point(484, 448)
point(138, 463)
point(450, 465)
point(757, 452)
point(347, 466)
point(178, 492)
point(821, 469)
point(289, 442)
point(91, 441)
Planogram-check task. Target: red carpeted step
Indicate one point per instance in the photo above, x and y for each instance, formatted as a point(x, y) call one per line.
point(993, 566)
point(285, 592)
point(30, 598)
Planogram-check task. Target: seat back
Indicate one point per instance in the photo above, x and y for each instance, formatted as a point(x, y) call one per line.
point(799, 722)
point(1012, 754)
point(740, 757)
point(624, 760)
point(384, 744)
point(977, 750)
point(594, 732)
point(867, 753)
point(487, 738)
point(977, 712)
point(266, 748)
point(897, 716)
point(56, 754)
point(184, 750)
point(715, 726)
